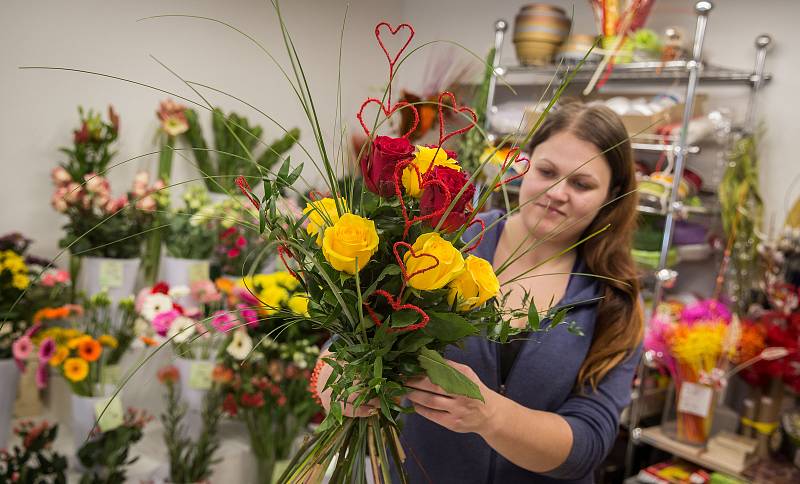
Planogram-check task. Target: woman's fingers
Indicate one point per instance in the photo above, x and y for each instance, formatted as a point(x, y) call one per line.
point(364, 410)
point(425, 384)
point(430, 400)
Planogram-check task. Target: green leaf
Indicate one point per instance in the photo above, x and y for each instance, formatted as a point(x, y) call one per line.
point(447, 377)
point(449, 327)
point(377, 369)
point(403, 318)
point(413, 342)
point(390, 270)
point(533, 316)
point(558, 318)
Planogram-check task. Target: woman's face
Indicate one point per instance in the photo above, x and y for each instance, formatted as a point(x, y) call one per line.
point(563, 191)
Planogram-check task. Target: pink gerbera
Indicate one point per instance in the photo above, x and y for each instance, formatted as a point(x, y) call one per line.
point(46, 349)
point(162, 321)
point(224, 321)
point(248, 314)
point(22, 348)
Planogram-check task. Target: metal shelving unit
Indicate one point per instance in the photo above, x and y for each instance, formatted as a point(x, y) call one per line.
point(692, 72)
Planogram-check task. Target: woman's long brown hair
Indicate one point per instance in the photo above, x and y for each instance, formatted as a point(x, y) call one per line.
point(620, 322)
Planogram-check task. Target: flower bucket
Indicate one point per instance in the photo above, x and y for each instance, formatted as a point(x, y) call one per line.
point(195, 379)
point(9, 380)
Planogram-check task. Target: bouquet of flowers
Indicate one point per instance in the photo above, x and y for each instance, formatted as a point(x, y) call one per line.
point(88, 357)
point(266, 367)
point(188, 235)
point(100, 224)
point(192, 331)
point(389, 276)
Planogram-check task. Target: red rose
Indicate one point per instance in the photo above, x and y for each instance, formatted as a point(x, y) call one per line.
point(378, 166)
point(252, 400)
point(434, 198)
point(160, 287)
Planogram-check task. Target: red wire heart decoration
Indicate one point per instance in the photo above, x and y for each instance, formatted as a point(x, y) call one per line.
point(387, 113)
point(458, 109)
point(413, 255)
point(396, 306)
point(480, 234)
point(393, 60)
point(507, 164)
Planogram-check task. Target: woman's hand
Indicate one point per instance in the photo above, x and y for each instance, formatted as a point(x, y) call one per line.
point(365, 410)
point(455, 412)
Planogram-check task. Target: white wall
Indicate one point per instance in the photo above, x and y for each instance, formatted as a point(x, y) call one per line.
point(38, 107)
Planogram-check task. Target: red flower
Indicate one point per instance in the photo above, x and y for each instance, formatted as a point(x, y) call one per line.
point(114, 117)
point(228, 233)
point(260, 382)
point(377, 167)
point(160, 287)
point(252, 400)
point(222, 374)
point(82, 135)
point(233, 253)
point(168, 374)
point(282, 400)
point(229, 405)
point(241, 241)
point(434, 198)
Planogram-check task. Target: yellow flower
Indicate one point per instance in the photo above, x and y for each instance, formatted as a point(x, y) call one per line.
point(321, 214)
point(20, 281)
point(59, 356)
point(350, 243)
point(450, 265)
point(298, 304)
point(73, 343)
point(272, 299)
point(476, 285)
point(494, 155)
point(286, 280)
point(76, 369)
point(108, 340)
point(425, 159)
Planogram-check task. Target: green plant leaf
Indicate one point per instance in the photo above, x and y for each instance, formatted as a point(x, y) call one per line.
point(447, 377)
point(533, 316)
point(449, 327)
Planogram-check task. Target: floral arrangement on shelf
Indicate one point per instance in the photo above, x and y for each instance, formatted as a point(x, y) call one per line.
point(237, 242)
point(193, 330)
point(86, 353)
point(266, 367)
point(702, 345)
point(189, 461)
point(189, 235)
point(107, 454)
point(27, 283)
point(100, 224)
point(34, 461)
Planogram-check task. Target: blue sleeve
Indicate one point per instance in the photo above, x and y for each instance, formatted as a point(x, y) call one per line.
point(594, 420)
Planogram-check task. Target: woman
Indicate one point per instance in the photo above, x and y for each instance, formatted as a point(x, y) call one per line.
point(551, 401)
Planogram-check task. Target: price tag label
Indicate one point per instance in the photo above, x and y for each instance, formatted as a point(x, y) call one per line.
point(109, 413)
point(695, 399)
point(198, 271)
point(200, 375)
point(110, 274)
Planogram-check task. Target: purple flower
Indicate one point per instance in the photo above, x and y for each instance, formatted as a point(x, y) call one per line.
point(46, 349)
point(250, 315)
point(42, 375)
point(162, 321)
point(224, 321)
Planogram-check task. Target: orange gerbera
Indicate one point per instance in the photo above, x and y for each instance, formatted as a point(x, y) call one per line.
point(76, 341)
point(148, 341)
point(90, 349)
point(59, 356)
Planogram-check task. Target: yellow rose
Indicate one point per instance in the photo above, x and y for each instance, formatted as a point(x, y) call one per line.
point(298, 304)
point(451, 263)
point(321, 213)
point(350, 243)
point(476, 285)
point(425, 159)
